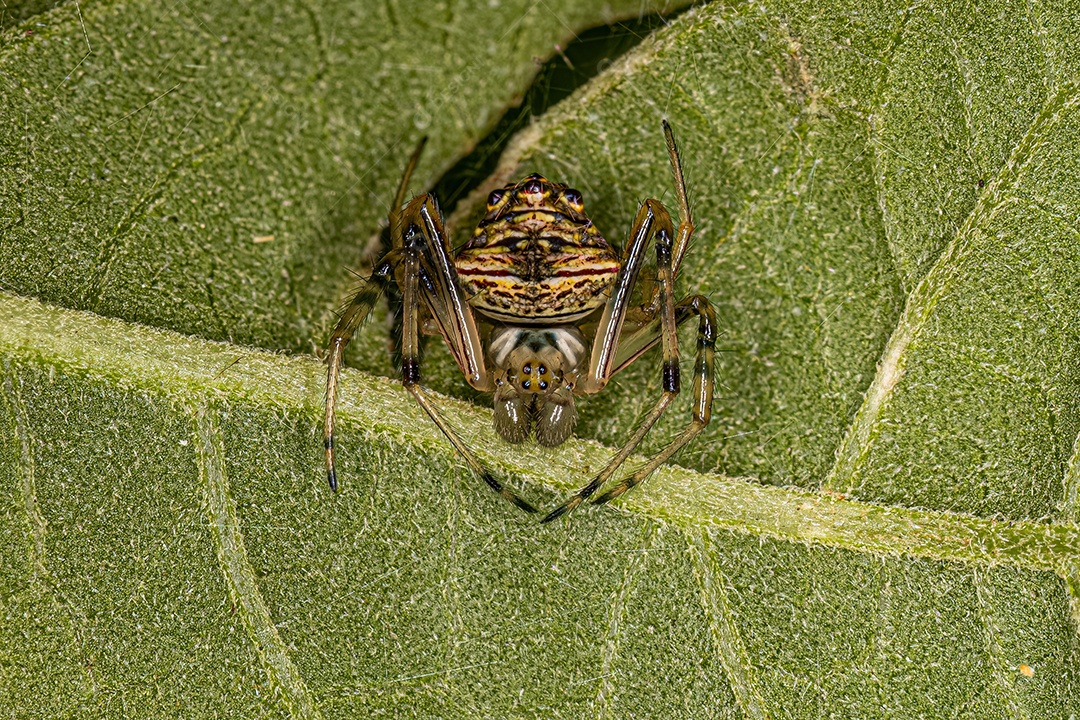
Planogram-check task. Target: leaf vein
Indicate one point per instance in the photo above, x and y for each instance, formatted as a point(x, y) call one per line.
point(857, 443)
point(27, 488)
point(998, 663)
point(873, 141)
point(239, 575)
point(107, 249)
point(724, 631)
point(616, 610)
point(188, 370)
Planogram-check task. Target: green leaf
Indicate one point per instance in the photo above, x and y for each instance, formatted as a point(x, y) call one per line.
point(212, 170)
point(881, 521)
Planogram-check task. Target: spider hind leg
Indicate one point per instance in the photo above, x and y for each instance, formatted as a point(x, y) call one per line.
point(702, 392)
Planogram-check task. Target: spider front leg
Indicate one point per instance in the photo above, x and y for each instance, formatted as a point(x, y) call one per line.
point(613, 349)
point(420, 263)
point(427, 270)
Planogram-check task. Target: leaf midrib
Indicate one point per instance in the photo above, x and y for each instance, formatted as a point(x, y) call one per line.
point(182, 368)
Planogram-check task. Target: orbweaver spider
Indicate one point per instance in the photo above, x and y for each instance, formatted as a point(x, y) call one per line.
point(536, 309)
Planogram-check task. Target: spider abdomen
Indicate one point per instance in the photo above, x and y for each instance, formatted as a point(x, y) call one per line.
point(536, 258)
point(532, 285)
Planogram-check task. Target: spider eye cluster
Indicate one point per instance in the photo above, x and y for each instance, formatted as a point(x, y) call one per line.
point(538, 378)
point(532, 393)
point(532, 377)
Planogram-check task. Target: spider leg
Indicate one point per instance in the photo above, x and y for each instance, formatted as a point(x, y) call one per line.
point(642, 340)
point(443, 292)
point(425, 270)
point(422, 398)
point(613, 349)
point(356, 311)
point(420, 255)
point(703, 393)
point(652, 220)
point(686, 223)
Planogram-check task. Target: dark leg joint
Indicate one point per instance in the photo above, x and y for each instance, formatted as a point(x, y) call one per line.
point(328, 443)
point(671, 376)
point(331, 476)
point(556, 513)
point(492, 482)
point(573, 502)
point(410, 371)
point(521, 504)
point(663, 249)
point(508, 494)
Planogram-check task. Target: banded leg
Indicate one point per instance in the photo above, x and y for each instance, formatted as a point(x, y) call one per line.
point(356, 311)
point(658, 316)
point(443, 292)
point(414, 277)
point(703, 394)
point(686, 219)
point(668, 337)
point(686, 224)
point(652, 220)
point(355, 314)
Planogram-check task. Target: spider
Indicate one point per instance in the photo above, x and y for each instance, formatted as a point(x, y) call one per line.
point(536, 308)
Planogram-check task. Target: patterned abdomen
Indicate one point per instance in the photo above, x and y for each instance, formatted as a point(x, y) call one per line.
point(536, 266)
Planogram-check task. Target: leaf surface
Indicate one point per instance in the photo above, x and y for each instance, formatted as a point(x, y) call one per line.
point(879, 522)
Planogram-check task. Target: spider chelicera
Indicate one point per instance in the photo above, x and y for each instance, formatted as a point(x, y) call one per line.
point(536, 308)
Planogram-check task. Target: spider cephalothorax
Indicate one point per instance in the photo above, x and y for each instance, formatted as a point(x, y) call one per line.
point(535, 308)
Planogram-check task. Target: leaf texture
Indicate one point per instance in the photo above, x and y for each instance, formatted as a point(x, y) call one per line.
point(881, 521)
